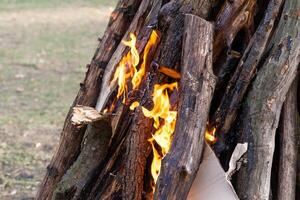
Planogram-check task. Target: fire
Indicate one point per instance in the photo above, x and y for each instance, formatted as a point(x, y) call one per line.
point(138, 76)
point(127, 67)
point(164, 117)
point(164, 122)
point(210, 135)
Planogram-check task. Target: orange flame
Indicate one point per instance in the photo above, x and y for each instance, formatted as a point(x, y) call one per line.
point(161, 111)
point(127, 67)
point(138, 76)
point(210, 135)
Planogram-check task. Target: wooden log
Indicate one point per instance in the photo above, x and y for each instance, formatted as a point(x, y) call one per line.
point(171, 23)
point(108, 186)
point(233, 17)
point(94, 150)
point(139, 26)
point(288, 146)
point(246, 69)
point(262, 108)
point(180, 165)
point(136, 156)
point(71, 136)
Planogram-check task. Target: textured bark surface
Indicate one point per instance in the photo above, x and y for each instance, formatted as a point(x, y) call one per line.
point(71, 136)
point(263, 105)
point(226, 113)
point(94, 149)
point(137, 151)
point(111, 186)
point(171, 22)
point(287, 173)
point(233, 17)
point(180, 165)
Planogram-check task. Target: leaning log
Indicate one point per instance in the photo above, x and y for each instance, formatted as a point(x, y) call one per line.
point(287, 173)
point(93, 151)
point(262, 108)
point(180, 165)
point(240, 81)
point(71, 136)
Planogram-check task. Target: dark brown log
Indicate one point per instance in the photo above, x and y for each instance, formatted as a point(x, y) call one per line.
point(136, 154)
point(71, 136)
point(180, 165)
point(262, 108)
point(288, 146)
point(105, 185)
point(233, 16)
point(238, 85)
point(171, 22)
point(94, 150)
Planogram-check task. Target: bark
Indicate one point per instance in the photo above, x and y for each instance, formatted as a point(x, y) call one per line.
point(288, 146)
point(263, 105)
point(171, 23)
point(136, 154)
point(180, 165)
point(71, 136)
point(94, 149)
point(110, 186)
point(233, 17)
point(246, 69)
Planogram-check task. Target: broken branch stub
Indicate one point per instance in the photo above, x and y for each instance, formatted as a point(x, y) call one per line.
point(180, 165)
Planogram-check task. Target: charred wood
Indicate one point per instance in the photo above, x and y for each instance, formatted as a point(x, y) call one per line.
point(226, 113)
point(180, 165)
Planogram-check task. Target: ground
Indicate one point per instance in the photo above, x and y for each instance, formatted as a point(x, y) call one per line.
point(44, 47)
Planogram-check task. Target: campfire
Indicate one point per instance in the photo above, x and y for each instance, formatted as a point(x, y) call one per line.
point(183, 100)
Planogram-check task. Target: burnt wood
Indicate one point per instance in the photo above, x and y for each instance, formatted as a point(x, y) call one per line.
point(180, 165)
point(226, 113)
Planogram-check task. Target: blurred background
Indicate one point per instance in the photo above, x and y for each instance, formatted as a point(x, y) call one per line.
point(44, 47)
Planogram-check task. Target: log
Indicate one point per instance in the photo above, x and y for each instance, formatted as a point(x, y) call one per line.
point(106, 184)
point(71, 136)
point(180, 165)
point(233, 17)
point(171, 23)
point(94, 149)
point(263, 104)
point(244, 73)
point(288, 146)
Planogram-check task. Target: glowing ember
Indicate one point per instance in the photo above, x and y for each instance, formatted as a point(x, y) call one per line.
point(134, 105)
point(210, 135)
point(169, 72)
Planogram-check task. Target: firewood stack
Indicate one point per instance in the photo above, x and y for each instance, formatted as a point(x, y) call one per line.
point(170, 76)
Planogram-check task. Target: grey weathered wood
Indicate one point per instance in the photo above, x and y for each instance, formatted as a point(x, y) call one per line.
point(226, 113)
point(94, 150)
point(288, 146)
point(180, 165)
point(262, 108)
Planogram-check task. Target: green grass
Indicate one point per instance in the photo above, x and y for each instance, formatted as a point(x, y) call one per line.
point(31, 4)
point(41, 66)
